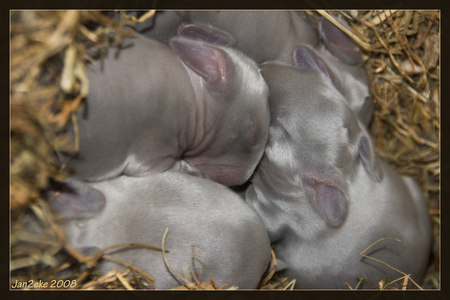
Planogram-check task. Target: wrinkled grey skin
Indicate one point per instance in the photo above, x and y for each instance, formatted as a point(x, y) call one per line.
point(272, 36)
point(155, 104)
point(212, 231)
point(323, 194)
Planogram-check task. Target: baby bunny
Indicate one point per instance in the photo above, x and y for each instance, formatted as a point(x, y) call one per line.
point(323, 194)
point(154, 104)
point(262, 35)
point(212, 232)
point(271, 36)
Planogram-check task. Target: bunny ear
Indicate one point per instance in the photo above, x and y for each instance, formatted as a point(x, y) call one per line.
point(328, 201)
point(339, 43)
point(204, 59)
point(366, 110)
point(206, 34)
point(306, 58)
point(77, 200)
point(368, 157)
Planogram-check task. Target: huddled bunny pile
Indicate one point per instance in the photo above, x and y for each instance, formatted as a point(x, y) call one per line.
point(196, 103)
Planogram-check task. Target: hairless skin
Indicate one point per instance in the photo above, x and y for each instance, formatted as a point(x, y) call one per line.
point(156, 104)
point(271, 36)
point(212, 232)
point(323, 194)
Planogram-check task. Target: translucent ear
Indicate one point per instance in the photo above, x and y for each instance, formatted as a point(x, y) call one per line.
point(76, 200)
point(206, 34)
point(307, 58)
point(368, 157)
point(328, 201)
point(204, 59)
point(339, 43)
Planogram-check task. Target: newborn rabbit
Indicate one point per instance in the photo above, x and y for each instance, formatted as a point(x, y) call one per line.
point(155, 104)
point(262, 35)
point(271, 36)
point(323, 194)
point(212, 231)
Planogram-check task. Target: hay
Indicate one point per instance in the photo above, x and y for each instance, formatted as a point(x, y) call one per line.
point(49, 50)
point(404, 68)
point(386, 285)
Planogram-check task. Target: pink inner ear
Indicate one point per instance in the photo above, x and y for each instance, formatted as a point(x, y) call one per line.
point(307, 58)
point(206, 60)
point(221, 65)
point(206, 34)
point(328, 201)
point(339, 43)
